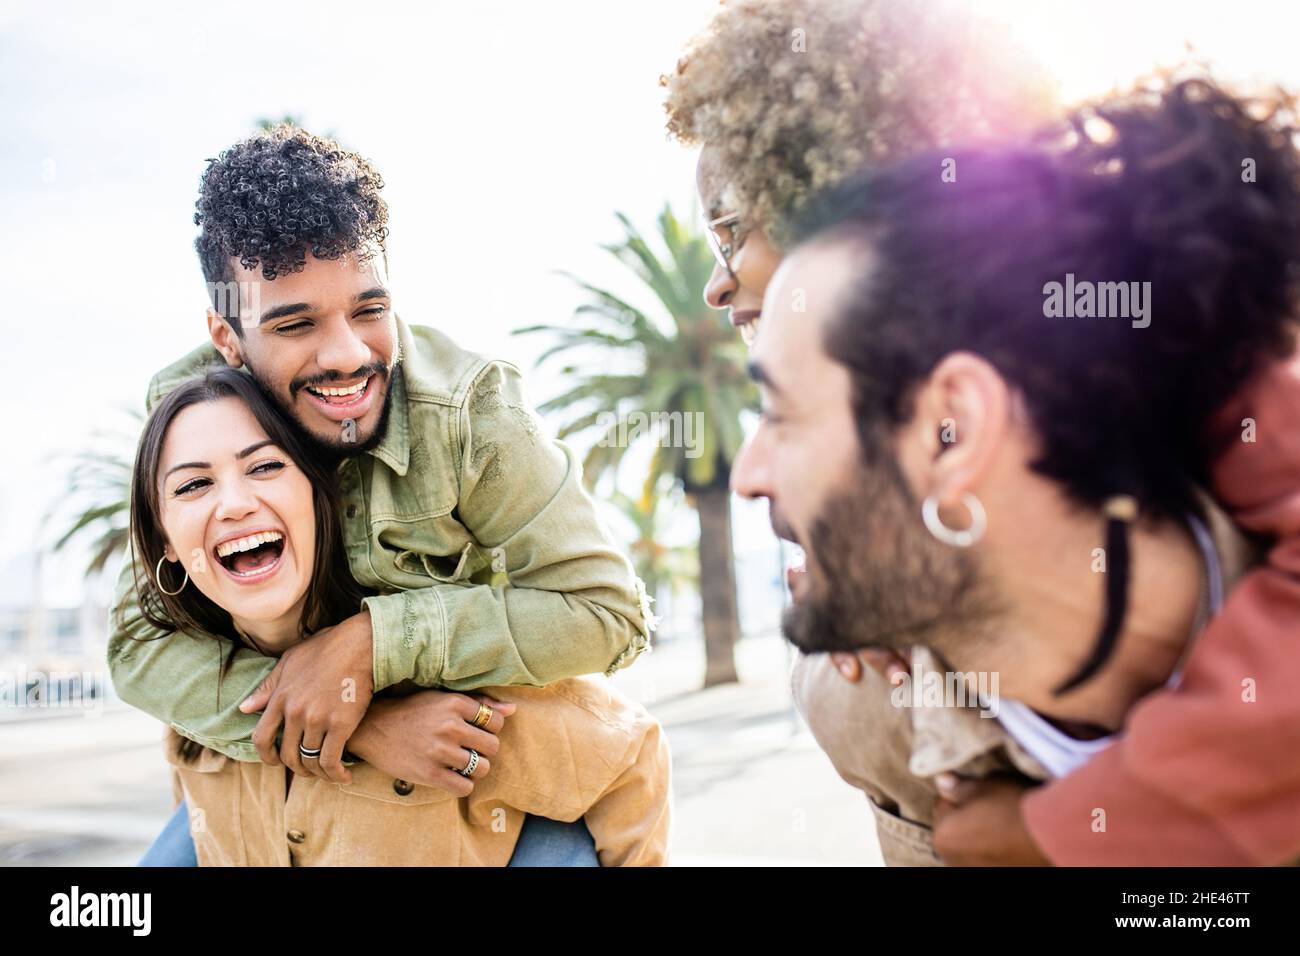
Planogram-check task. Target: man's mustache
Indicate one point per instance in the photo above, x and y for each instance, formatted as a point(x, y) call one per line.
point(780, 527)
point(376, 368)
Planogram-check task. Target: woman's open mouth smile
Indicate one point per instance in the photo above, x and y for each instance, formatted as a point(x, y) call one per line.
point(251, 558)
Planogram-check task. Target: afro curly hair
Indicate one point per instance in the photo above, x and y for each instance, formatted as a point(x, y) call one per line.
point(794, 95)
point(278, 195)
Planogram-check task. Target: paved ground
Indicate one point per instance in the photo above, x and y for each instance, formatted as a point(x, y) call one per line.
point(750, 786)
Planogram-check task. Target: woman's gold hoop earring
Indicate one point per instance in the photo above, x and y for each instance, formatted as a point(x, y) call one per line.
point(958, 539)
point(157, 579)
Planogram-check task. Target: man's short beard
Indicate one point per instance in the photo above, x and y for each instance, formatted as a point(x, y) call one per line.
point(333, 452)
point(877, 578)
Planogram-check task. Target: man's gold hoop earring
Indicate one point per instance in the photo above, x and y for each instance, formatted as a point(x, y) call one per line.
point(958, 539)
point(157, 579)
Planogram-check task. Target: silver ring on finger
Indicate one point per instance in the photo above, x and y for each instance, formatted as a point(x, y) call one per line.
point(307, 754)
point(471, 766)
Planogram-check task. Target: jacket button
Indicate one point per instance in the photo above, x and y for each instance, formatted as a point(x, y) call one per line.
point(402, 788)
point(297, 836)
point(352, 511)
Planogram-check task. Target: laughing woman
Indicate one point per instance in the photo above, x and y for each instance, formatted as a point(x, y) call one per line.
point(240, 524)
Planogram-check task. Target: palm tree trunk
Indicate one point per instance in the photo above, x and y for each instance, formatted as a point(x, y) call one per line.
point(717, 582)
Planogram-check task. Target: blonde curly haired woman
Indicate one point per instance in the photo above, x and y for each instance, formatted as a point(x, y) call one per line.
point(787, 97)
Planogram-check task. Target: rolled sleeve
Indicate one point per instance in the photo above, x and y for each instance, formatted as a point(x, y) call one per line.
point(409, 636)
point(566, 602)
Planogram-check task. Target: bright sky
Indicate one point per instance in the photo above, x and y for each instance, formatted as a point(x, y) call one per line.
point(507, 133)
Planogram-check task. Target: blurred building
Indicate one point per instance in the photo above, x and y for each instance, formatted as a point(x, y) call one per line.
point(53, 634)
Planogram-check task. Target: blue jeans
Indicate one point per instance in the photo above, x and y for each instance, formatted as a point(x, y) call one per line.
point(174, 846)
point(547, 842)
point(542, 842)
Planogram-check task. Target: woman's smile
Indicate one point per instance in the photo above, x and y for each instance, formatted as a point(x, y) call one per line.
point(251, 557)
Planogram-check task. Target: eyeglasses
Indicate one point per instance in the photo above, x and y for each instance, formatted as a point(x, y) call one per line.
point(724, 238)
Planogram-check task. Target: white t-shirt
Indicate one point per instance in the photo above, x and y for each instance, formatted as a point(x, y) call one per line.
point(1057, 751)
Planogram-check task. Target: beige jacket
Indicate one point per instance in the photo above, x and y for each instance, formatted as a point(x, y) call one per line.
point(574, 749)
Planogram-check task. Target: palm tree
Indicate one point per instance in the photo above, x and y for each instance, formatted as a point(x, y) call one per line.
point(266, 123)
point(288, 119)
point(663, 568)
point(678, 380)
point(96, 499)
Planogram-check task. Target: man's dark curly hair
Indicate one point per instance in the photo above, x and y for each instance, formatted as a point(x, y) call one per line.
point(279, 195)
point(1145, 187)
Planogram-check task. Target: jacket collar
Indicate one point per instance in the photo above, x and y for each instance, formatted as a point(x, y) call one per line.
point(394, 449)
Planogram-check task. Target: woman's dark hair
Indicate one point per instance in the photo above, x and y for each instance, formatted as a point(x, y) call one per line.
point(332, 593)
point(1179, 184)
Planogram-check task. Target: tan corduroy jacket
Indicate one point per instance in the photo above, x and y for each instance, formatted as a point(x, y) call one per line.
point(574, 749)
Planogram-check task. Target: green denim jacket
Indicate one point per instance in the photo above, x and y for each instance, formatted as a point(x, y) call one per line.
point(491, 565)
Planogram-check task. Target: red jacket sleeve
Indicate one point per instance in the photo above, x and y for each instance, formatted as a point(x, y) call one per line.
point(1208, 774)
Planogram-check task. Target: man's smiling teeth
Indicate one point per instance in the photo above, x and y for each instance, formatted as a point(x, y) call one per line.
point(337, 392)
point(228, 548)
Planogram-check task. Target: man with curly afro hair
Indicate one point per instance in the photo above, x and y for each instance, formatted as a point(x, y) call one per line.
point(484, 553)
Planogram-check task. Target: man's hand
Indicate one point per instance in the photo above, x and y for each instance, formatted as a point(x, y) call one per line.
point(978, 823)
point(426, 738)
point(319, 691)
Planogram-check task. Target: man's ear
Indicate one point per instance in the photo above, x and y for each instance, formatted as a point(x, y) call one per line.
point(961, 415)
point(225, 339)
